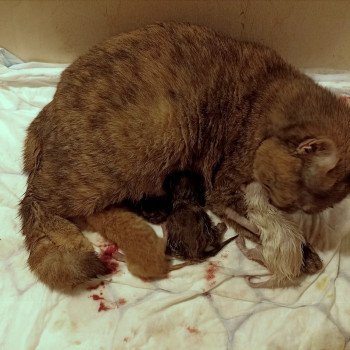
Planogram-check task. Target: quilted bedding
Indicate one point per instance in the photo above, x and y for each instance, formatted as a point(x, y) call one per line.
point(206, 306)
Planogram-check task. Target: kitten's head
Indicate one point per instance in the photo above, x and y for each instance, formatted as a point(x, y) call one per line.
point(310, 176)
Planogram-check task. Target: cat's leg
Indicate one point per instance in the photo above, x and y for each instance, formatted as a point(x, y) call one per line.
point(242, 221)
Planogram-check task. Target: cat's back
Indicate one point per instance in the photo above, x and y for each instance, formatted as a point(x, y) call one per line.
point(156, 96)
point(160, 70)
point(175, 59)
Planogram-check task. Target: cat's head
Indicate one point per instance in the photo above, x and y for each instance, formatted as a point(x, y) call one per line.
point(310, 176)
point(304, 162)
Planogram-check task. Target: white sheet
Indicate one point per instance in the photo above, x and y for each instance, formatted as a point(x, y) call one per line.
point(208, 306)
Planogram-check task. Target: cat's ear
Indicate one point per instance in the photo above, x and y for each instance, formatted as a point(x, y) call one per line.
point(320, 156)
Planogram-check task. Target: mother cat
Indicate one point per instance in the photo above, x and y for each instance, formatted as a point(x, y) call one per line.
point(170, 97)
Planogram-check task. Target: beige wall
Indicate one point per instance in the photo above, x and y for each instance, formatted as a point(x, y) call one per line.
point(308, 33)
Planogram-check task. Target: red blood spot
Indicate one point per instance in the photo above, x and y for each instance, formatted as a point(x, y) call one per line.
point(96, 297)
point(121, 301)
point(193, 330)
point(110, 250)
point(113, 266)
point(103, 307)
point(107, 257)
point(212, 268)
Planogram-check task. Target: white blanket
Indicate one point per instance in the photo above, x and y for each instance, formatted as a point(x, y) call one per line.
point(207, 306)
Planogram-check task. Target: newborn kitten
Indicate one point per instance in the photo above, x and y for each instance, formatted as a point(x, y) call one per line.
point(144, 251)
point(167, 97)
point(277, 230)
point(190, 231)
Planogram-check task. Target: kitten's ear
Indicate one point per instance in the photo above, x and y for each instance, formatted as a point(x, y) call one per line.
point(321, 156)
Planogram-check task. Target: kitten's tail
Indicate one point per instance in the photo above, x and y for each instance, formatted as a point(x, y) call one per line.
point(59, 254)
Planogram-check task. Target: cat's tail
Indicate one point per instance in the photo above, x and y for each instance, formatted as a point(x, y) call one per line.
point(59, 254)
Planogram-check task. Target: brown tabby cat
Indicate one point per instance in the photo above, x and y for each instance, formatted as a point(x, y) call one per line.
point(170, 97)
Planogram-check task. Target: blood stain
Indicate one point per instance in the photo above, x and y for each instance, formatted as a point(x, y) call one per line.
point(212, 268)
point(193, 330)
point(110, 250)
point(107, 257)
point(96, 297)
point(113, 266)
point(121, 301)
point(103, 307)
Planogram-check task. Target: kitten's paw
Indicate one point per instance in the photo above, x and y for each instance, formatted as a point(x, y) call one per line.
point(253, 254)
